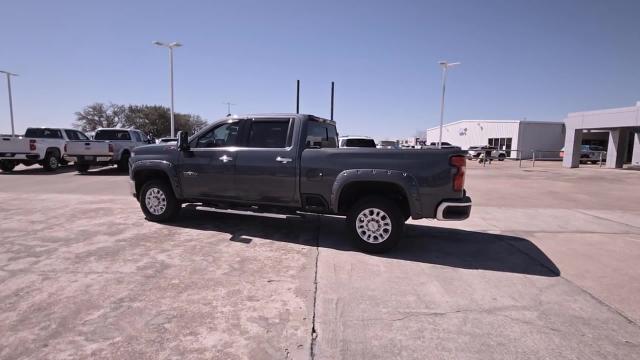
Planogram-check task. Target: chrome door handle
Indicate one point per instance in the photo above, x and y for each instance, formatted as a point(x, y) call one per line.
point(225, 158)
point(283, 160)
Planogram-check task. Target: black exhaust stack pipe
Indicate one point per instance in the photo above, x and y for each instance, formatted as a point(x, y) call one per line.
point(332, 92)
point(298, 97)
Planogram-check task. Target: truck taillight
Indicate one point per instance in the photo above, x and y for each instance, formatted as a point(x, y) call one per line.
point(460, 163)
point(32, 145)
point(110, 147)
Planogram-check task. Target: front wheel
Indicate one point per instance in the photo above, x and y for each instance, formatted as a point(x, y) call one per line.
point(158, 202)
point(375, 224)
point(7, 165)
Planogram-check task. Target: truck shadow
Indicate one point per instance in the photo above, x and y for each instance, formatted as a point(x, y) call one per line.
point(38, 170)
point(104, 171)
point(424, 244)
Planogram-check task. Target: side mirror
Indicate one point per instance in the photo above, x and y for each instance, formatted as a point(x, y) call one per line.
point(183, 141)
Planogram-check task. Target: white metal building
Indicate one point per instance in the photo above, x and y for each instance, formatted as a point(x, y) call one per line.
point(522, 135)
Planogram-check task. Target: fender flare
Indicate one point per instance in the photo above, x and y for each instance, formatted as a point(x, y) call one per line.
point(159, 165)
point(405, 181)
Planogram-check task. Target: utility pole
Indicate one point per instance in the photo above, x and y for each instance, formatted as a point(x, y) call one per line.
point(9, 75)
point(298, 97)
point(229, 104)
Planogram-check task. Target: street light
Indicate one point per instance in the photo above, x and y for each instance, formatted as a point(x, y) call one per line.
point(170, 46)
point(445, 65)
point(9, 75)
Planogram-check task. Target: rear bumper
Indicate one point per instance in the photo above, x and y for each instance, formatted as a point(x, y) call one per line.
point(19, 156)
point(454, 209)
point(88, 158)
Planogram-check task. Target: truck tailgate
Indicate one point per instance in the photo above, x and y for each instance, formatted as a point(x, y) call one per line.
point(13, 145)
point(89, 148)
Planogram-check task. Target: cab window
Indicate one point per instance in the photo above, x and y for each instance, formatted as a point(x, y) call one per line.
point(223, 135)
point(271, 134)
point(321, 135)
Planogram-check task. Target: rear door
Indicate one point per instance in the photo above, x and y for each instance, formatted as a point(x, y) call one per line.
point(207, 170)
point(267, 166)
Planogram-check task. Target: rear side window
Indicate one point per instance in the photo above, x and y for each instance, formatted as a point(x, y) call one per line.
point(75, 135)
point(321, 135)
point(112, 135)
point(370, 143)
point(43, 133)
point(269, 134)
point(137, 136)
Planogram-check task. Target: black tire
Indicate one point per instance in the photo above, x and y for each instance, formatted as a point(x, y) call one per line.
point(82, 168)
point(7, 165)
point(123, 164)
point(501, 157)
point(382, 214)
point(51, 161)
point(162, 194)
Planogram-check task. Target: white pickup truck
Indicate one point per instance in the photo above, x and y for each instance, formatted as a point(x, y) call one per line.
point(108, 147)
point(44, 146)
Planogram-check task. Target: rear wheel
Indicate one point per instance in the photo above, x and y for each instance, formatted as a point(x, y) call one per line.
point(501, 157)
point(375, 224)
point(158, 202)
point(7, 165)
point(123, 164)
point(82, 168)
point(51, 161)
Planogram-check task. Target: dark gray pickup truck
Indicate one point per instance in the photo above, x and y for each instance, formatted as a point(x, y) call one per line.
point(290, 163)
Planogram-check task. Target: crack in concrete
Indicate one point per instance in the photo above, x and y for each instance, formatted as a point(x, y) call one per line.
point(314, 332)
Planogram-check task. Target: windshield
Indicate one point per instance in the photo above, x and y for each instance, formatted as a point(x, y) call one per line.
point(43, 133)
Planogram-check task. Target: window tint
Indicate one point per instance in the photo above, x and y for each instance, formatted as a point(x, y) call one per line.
point(370, 143)
point(269, 134)
point(220, 136)
point(136, 136)
point(112, 135)
point(321, 135)
point(75, 135)
point(43, 133)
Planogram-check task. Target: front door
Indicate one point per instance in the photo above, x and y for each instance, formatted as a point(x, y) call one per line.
point(207, 170)
point(267, 166)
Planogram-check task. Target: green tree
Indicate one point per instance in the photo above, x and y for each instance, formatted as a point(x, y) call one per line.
point(99, 115)
point(153, 120)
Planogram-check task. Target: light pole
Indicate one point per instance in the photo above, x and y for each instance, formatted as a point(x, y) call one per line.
point(445, 65)
point(170, 46)
point(9, 75)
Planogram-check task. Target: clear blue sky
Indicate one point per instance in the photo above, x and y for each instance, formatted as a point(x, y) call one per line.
point(533, 59)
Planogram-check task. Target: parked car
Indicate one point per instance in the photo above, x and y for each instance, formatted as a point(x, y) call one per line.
point(109, 147)
point(474, 152)
point(350, 141)
point(291, 163)
point(387, 144)
point(590, 154)
point(43, 146)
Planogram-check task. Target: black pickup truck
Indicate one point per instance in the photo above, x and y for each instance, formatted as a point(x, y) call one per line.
point(290, 163)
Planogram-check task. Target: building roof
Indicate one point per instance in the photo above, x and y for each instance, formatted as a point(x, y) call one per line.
point(497, 121)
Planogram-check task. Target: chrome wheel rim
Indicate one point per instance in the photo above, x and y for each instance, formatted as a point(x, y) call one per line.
point(155, 201)
point(373, 225)
point(53, 162)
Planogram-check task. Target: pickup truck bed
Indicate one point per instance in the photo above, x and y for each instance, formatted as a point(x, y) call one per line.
point(289, 163)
